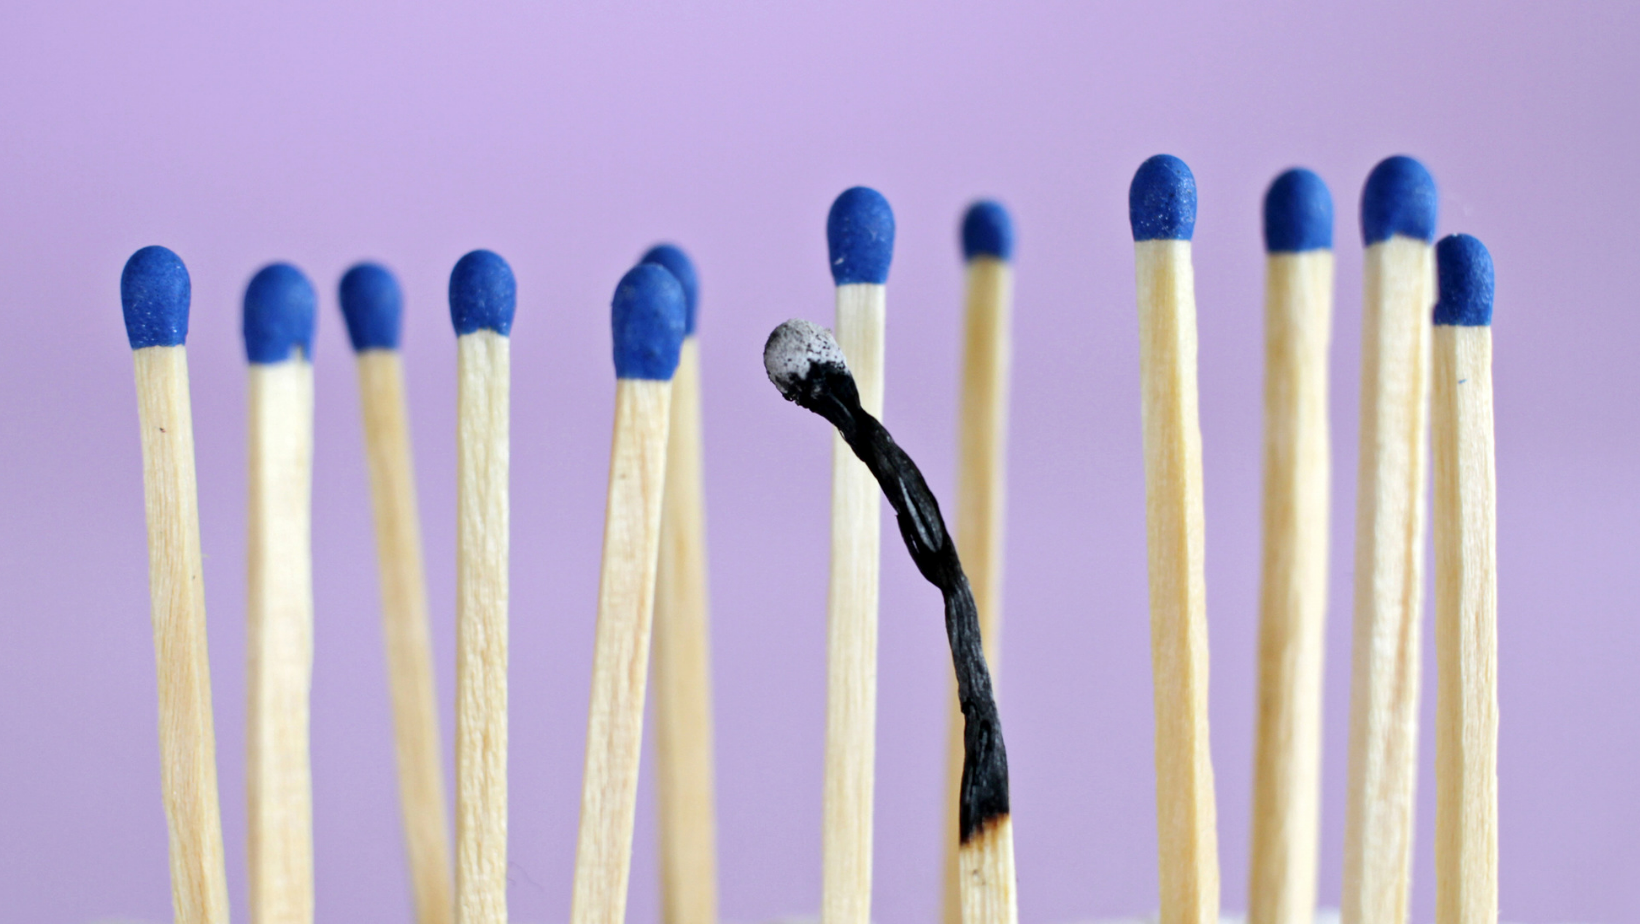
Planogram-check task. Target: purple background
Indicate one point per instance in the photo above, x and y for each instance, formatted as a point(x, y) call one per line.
point(568, 140)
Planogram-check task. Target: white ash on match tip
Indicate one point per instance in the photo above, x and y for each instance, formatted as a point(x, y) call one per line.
point(796, 347)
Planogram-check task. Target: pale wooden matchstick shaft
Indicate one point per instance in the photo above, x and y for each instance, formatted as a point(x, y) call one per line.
point(1384, 677)
point(683, 695)
point(986, 889)
point(482, 455)
point(406, 629)
point(982, 438)
point(1466, 640)
point(1293, 588)
point(279, 613)
point(1186, 818)
point(187, 737)
point(851, 629)
point(620, 661)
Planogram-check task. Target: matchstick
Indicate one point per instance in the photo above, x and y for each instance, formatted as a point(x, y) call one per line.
point(372, 305)
point(1298, 300)
point(987, 249)
point(1466, 589)
point(483, 296)
point(1398, 225)
point(154, 295)
point(683, 692)
point(808, 367)
point(1162, 209)
point(648, 321)
point(278, 328)
point(860, 238)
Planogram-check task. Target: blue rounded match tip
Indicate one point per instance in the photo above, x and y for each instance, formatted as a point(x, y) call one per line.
point(1298, 213)
point(483, 294)
point(647, 317)
point(860, 236)
point(1464, 268)
point(680, 266)
point(279, 309)
point(1162, 200)
point(154, 292)
point(372, 306)
point(987, 231)
point(1399, 198)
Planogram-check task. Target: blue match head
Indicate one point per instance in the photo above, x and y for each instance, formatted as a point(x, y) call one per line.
point(987, 231)
point(860, 235)
point(373, 307)
point(279, 309)
point(483, 294)
point(1465, 271)
point(680, 266)
point(1298, 213)
point(1399, 198)
point(647, 317)
point(1162, 200)
point(155, 291)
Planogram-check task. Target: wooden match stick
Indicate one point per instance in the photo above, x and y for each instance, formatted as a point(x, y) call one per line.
point(154, 295)
point(860, 238)
point(987, 249)
point(483, 296)
point(807, 365)
point(648, 321)
point(683, 692)
point(1398, 225)
point(1162, 209)
point(1466, 589)
point(278, 327)
point(1298, 301)
point(372, 305)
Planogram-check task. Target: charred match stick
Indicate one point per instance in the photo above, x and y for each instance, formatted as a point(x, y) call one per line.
point(154, 294)
point(806, 364)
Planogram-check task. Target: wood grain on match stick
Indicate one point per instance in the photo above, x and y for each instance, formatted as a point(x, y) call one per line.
point(279, 615)
point(1466, 630)
point(1186, 818)
point(1384, 676)
point(851, 629)
point(406, 629)
point(683, 694)
point(981, 481)
point(482, 531)
point(1293, 588)
point(620, 665)
point(187, 738)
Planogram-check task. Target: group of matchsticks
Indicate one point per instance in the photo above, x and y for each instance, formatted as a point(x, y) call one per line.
point(1426, 319)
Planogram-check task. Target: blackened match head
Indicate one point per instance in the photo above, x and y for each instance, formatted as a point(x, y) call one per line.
point(372, 306)
point(154, 294)
point(680, 266)
point(483, 294)
point(646, 316)
point(1162, 200)
point(1298, 213)
point(796, 354)
point(987, 231)
point(279, 314)
point(1399, 198)
point(860, 237)
point(1464, 268)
